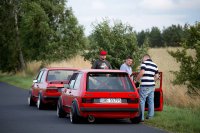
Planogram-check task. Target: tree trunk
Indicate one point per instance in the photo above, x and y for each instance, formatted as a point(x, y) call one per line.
point(19, 50)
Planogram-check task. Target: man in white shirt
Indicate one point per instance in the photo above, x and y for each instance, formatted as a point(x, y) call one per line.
point(127, 65)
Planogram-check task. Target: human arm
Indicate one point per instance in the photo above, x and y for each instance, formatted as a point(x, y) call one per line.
point(94, 65)
point(110, 67)
point(141, 73)
point(122, 67)
point(157, 76)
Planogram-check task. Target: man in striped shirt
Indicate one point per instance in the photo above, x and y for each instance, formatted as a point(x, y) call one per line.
point(148, 75)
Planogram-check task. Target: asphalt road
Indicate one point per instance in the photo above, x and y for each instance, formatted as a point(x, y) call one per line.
point(17, 117)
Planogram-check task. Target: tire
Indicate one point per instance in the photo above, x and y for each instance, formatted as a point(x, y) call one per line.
point(30, 99)
point(137, 119)
point(60, 112)
point(74, 118)
point(40, 104)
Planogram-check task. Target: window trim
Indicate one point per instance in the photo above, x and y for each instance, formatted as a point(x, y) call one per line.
point(78, 75)
point(39, 77)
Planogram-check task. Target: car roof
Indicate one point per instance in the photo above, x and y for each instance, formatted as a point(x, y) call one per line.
point(59, 68)
point(101, 70)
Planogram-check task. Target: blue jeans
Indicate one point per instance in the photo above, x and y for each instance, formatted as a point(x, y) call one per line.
point(147, 92)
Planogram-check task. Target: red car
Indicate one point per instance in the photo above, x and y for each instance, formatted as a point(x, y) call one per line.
point(46, 88)
point(99, 94)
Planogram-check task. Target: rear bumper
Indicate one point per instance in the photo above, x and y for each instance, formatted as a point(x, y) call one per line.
point(84, 109)
point(109, 112)
point(51, 97)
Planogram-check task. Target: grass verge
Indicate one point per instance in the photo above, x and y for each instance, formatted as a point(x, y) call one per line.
point(173, 119)
point(24, 82)
point(178, 120)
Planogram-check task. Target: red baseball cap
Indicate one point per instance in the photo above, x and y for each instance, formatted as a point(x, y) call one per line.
point(103, 52)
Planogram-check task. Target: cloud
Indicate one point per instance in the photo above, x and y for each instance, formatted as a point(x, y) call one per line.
point(98, 5)
point(141, 14)
point(156, 4)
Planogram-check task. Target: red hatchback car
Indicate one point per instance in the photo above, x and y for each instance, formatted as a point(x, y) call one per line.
point(46, 88)
point(99, 94)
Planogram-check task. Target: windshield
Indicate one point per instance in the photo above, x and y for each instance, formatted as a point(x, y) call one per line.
point(111, 82)
point(59, 75)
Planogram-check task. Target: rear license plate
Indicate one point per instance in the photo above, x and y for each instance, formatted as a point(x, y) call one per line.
point(110, 100)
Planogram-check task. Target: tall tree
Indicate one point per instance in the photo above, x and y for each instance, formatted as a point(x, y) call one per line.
point(119, 40)
point(11, 58)
point(37, 30)
point(189, 73)
point(173, 35)
point(51, 31)
point(141, 36)
point(155, 37)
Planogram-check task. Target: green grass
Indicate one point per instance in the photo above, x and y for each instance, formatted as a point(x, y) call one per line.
point(173, 119)
point(179, 120)
point(24, 82)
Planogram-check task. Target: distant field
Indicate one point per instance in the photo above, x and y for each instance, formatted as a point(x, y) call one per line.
point(174, 95)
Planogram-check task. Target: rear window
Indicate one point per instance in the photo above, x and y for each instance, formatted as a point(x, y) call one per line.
point(110, 82)
point(59, 75)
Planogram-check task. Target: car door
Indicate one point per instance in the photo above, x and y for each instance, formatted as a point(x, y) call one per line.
point(75, 91)
point(67, 98)
point(158, 94)
point(42, 85)
point(37, 85)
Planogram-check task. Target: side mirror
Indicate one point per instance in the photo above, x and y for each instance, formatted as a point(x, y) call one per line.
point(35, 81)
point(66, 85)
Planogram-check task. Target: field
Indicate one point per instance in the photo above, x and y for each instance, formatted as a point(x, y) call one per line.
point(175, 95)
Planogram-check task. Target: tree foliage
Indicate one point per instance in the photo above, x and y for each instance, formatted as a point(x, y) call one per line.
point(170, 36)
point(37, 30)
point(9, 57)
point(50, 26)
point(155, 37)
point(141, 36)
point(119, 40)
point(173, 35)
point(189, 73)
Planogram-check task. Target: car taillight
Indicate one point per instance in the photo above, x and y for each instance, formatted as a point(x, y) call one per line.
point(133, 100)
point(52, 90)
point(87, 100)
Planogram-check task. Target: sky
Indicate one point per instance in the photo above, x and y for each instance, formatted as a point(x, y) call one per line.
point(140, 14)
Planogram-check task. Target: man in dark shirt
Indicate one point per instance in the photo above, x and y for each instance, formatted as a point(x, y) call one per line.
point(101, 63)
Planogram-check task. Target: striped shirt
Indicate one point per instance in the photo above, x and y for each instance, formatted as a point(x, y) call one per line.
point(151, 69)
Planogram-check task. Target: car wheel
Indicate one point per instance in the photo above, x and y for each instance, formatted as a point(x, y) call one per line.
point(60, 112)
point(40, 104)
point(137, 119)
point(74, 118)
point(30, 100)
